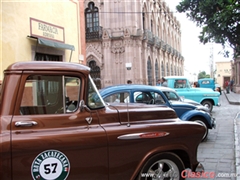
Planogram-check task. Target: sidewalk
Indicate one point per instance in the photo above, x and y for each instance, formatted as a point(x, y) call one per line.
point(233, 98)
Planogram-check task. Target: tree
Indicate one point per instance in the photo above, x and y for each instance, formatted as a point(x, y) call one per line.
point(219, 20)
point(202, 75)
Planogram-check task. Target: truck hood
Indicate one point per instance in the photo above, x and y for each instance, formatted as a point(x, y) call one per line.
point(135, 112)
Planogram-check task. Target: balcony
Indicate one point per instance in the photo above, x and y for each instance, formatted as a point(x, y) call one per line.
point(157, 42)
point(148, 35)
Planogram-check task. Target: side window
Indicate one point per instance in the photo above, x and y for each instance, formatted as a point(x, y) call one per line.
point(158, 99)
point(117, 98)
point(50, 95)
point(206, 82)
point(148, 98)
point(142, 97)
point(180, 83)
point(171, 96)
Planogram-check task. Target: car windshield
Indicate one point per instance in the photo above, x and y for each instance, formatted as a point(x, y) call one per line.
point(95, 100)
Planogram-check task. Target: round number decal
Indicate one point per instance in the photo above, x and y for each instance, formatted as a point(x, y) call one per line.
point(49, 165)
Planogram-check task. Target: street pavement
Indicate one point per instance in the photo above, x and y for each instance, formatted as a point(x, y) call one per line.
point(220, 153)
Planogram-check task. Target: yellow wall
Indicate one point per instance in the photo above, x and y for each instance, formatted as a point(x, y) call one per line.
point(15, 45)
point(223, 69)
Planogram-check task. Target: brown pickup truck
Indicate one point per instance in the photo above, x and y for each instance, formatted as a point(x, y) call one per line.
point(55, 125)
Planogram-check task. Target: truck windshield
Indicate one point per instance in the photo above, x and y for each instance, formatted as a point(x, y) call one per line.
point(95, 100)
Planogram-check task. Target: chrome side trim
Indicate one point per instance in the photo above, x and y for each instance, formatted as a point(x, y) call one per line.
point(143, 135)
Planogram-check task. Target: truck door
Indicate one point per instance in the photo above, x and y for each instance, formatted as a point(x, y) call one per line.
point(51, 138)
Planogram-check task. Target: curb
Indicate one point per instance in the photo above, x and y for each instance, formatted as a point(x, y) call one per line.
point(231, 102)
point(237, 148)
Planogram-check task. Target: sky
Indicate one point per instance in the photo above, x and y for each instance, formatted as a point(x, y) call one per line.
point(196, 55)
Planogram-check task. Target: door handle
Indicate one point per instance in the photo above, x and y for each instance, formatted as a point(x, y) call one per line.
point(26, 124)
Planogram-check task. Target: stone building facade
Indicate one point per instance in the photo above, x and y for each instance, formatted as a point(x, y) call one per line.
point(235, 65)
point(137, 40)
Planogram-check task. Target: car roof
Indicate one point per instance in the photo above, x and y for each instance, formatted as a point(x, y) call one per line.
point(48, 65)
point(164, 89)
point(136, 86)
point(204, 79)
point(128, 87)
point(175, 77)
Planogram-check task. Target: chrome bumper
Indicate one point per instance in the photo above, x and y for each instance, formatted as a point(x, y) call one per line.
point(218, 104)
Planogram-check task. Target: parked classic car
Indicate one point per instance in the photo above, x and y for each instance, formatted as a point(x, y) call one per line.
point(206, 96)
point(55, 125)
point(209, 83)
point(153, 95)
point(172, 95)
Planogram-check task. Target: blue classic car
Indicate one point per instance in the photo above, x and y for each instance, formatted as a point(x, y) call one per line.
point(153, 95)
point(205, 96)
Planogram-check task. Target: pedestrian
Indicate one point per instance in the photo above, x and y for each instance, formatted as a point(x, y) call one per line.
point(227, 86)
point(231, 85)
point(164, 82)
point(129, 82)
point(159, 82)
point(195, 84)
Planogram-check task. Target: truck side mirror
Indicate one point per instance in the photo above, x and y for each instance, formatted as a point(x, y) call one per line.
point(83, 106)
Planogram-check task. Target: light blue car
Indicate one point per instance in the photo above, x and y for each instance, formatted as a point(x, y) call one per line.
point(206, 96)
point(153, 95)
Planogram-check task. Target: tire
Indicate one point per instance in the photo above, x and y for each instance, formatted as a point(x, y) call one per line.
point(208, 104)
point(162, 167)
point(201, 121)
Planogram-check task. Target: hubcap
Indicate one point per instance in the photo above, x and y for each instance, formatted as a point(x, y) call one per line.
point(164, 169)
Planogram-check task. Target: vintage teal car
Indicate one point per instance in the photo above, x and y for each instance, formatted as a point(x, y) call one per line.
point(209, 83)
point(206, 96)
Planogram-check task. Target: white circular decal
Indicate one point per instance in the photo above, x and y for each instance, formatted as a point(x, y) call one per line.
point(50, 165)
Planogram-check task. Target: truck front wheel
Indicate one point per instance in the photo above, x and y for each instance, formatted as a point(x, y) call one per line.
point(208, 104)
point(163, 166)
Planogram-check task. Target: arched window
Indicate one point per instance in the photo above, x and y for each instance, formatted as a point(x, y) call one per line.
point(167, 70)
point(163, 69)
point(151, 25)
point(143, 19)
point(149, 72)
point(95, 73)
point(156, 70)
point(92, 21)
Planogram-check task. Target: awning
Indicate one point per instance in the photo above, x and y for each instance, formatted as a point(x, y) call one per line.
point(54, 44)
